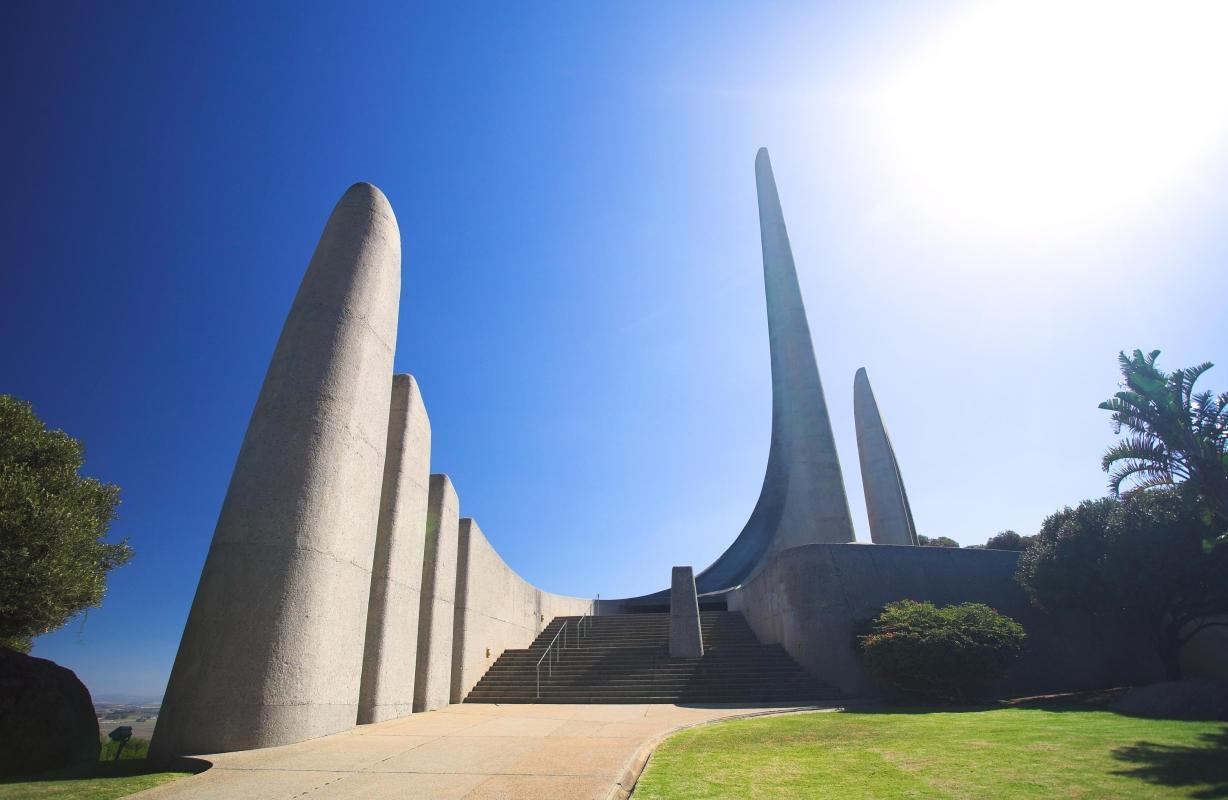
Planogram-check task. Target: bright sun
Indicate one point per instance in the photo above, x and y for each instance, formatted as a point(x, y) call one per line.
point(1036, 116)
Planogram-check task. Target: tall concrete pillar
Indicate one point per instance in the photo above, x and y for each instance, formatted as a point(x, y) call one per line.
point(390, 658)
point(886, 501)
point(468, 534)
point(433, 683)
point(686, 637)
point(273, 647)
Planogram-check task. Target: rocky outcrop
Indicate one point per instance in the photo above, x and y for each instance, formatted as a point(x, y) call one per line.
point(47, 717)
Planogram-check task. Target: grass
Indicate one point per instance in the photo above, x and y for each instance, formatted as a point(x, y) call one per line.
point(993, 753)
point(105, 782)
point(132, 773)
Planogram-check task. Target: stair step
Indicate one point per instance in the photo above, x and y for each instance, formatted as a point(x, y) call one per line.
point(625, 659)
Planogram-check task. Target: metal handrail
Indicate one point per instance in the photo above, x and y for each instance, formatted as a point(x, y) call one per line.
point(550, 663)
point(580, 629)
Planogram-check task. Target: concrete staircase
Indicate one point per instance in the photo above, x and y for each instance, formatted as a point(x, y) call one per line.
point(625, 659)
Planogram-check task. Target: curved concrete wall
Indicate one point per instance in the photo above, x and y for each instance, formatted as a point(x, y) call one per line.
point(811, 599)
point(273, 647)
point(495, 609)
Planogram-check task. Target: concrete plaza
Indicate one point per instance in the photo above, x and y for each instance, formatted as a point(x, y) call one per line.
point(462, 751)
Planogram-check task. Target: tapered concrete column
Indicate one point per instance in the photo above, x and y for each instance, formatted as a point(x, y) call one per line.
point(469, 538)
point(273, 647)
point(390, 659)
point(886, 501)
point(686, 638)
point(435, 619)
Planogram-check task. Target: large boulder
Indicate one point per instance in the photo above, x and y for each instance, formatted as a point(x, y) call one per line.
point(47, 718)
point(1193, 699)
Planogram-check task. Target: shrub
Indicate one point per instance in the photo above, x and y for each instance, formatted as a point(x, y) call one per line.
point(940, 654)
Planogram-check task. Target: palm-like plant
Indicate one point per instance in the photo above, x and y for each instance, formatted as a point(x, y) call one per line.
point(1176, 436)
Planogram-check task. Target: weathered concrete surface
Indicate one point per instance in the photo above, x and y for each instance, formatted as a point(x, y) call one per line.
point(803, 499)
point(474, 751)
point(390, 658)
point(433, 680)
point(495, 609)
point(273, 647)
point(886, 500)
point(686, 638)
point(810, 600)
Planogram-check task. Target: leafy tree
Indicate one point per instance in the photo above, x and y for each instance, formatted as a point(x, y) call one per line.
point(940, 653)
point(1139, 561)
point(1008, 540)
point(941, 541)
point(1177, 435)
point(53, 562)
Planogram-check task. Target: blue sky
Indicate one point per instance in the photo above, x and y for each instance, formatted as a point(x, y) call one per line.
point(982, 215)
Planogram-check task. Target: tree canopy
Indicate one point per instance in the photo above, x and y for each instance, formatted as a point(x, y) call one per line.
point(1139, 561)
point(53, 560)
point(1008, 540)
point(938, 541)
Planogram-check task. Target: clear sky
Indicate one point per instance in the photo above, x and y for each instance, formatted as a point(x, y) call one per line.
point(986, 203)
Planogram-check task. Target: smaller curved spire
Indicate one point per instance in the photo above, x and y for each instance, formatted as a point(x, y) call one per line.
point(886, 500)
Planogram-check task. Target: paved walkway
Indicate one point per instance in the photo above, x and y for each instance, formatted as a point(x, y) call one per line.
point(463, 751)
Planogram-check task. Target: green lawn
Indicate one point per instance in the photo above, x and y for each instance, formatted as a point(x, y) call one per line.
point(1001, 753)
point(105, 782)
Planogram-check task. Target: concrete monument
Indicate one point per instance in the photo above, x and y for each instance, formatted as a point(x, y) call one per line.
point(886, 501)
point(802, 500)
point(273, 647)
point(341, 585)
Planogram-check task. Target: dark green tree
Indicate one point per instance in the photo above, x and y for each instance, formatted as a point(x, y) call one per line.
point(1140, 562)
point(940, 541)
point(1176, 435)
point(1008, 540)
point(53, 560)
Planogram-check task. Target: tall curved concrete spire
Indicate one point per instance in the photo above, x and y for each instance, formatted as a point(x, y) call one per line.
point(273, 648)
point(803, 500)
point(886, 501)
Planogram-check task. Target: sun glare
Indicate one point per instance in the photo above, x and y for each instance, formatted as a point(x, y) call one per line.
point(1023, 117)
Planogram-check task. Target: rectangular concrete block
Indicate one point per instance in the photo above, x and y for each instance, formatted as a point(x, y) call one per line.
point(686, 639)
point(433, 681)
point(390, 654)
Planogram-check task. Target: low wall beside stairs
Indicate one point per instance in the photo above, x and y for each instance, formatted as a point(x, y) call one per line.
point(495, 609)
point(810, 600)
